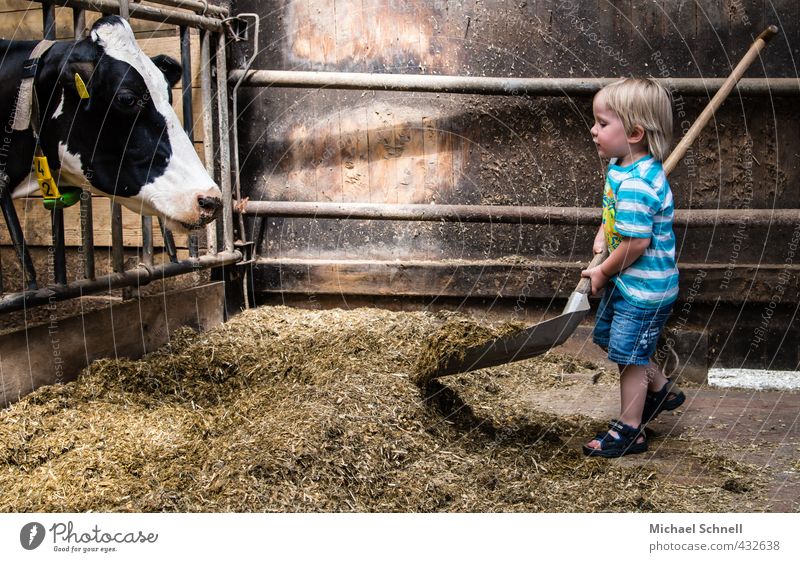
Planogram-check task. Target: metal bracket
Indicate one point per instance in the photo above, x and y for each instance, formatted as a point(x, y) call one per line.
point(237, 28)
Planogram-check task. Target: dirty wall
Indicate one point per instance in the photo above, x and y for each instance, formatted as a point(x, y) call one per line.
point(392, 147)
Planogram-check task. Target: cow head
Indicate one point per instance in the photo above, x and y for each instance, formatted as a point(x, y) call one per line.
point(125, 139)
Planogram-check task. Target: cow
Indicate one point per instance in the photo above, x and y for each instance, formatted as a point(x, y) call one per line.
point(106, 117)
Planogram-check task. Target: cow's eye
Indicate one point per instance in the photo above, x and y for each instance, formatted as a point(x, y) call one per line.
point(127, 100)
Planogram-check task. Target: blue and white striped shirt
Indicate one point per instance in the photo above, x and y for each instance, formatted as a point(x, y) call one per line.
point(637, 203)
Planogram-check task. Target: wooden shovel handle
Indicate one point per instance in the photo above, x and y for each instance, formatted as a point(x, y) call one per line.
point(726, 88)
point(584, 285)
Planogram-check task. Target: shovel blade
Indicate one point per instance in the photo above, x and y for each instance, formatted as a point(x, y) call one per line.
point(524, 344)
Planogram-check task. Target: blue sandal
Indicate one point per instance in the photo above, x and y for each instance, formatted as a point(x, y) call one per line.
point(657, 402)
point(626, 444)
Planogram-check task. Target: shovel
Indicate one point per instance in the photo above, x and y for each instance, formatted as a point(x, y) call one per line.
point(541, 337)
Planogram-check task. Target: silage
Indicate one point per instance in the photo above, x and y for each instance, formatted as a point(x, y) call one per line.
point(290, 410)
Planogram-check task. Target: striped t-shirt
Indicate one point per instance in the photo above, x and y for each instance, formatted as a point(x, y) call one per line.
point(637, 203)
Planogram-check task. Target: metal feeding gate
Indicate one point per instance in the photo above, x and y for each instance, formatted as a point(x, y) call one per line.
point(45, 354)
point(213, 24)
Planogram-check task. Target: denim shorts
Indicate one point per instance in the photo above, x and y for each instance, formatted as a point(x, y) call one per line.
point(628, 332)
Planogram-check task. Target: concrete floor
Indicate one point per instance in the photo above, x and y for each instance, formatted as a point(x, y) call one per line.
point(760, 428)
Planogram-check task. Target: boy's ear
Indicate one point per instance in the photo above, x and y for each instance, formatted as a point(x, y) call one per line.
point(637, 135)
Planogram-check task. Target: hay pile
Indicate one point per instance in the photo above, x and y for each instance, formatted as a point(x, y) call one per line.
point(450, 342)
point(290, 410)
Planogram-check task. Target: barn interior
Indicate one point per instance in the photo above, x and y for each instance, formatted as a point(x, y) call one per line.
point(389, 168)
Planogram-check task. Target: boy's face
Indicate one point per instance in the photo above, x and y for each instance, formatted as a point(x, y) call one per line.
point(608, 133)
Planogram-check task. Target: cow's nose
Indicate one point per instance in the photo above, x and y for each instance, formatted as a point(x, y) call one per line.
point(209, 206)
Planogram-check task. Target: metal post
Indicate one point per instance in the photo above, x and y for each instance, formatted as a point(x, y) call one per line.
point(124, 9)
point(199, 7)
point(188, 110)
point(224, 145)
point(17, 238)
point(145, 12)
point(117, 252)
point(147, 240)
point(59, 256)
point(169, 241)
point(87, 235)
point(79, 22)
point(87, 210)
point(56, 215)
point(186, 81)
point(49, 19)
point(208, 124)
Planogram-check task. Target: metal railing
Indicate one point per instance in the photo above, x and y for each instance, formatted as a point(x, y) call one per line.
point(210, 20)
point(497, 86)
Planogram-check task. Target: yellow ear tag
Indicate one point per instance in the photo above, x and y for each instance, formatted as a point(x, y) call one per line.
point(46, 182)
point(83, 92)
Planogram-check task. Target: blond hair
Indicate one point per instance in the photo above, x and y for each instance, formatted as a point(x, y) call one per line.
point(644, 102)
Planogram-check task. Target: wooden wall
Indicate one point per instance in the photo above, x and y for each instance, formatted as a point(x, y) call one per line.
point(22, 20)
point(385, 147)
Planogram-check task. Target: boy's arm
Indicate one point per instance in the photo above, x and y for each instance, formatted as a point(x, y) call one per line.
point(599, 241)
point(628, 251)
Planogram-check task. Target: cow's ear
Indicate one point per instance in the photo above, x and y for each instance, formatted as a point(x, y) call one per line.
point(172, 69)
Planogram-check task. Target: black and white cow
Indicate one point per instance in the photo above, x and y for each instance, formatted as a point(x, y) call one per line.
point(125, 141)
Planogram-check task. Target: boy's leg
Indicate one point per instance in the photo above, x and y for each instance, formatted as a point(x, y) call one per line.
point(633, 381)
point(633, 390)
point(656, 377)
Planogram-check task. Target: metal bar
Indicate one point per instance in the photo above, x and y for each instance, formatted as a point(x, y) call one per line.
point(234, 100)
point(147, 240)
point(17, 238)
point(186, 81)
point(57, 214)
point(59, 255)
point(169, 241)
point(139, 276)
point(497, 86)
point(87, 235)
point(117, 251)
point(124, 9)
point(145, 12)
point(208, 124)
point(194, 245)
point(188, 110)
point(224, 145)
point(49, 19)
point(199, 7)
point(505, 214)
point(79, 22)
point(86, 219)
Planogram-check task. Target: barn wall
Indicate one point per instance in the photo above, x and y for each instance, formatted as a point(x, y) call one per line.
point(384, 147)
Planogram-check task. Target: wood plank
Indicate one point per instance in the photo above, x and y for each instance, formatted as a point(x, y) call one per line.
point(498, 279)
point(171, 46)
point(197, 109)
point(35, 221)
point(355, 154)
point(55, 353)
point(26, 24)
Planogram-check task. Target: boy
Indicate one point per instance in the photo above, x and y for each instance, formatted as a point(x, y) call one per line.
point(633, 128)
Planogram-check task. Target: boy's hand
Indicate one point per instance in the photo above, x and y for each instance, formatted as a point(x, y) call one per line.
point(596, 277)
